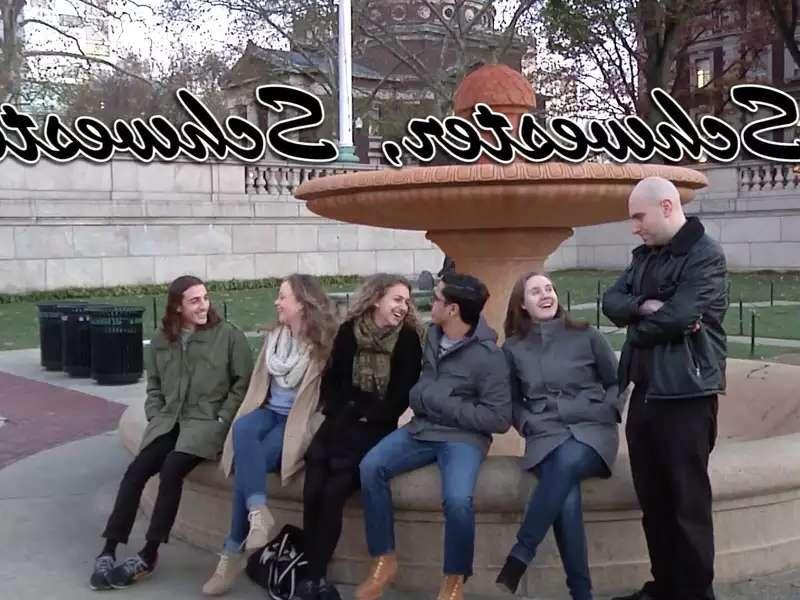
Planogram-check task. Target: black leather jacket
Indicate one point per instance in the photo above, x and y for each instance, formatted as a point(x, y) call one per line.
point(693, 284)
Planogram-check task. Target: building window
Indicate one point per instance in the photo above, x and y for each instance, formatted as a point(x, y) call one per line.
point(702, 70)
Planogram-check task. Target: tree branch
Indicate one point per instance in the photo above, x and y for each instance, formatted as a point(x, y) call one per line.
point(86, 58)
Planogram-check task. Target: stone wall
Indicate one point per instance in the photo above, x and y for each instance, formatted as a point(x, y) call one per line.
point(123, 222)
point(752, 209)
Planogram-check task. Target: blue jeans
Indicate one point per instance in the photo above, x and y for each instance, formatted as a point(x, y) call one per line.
point(257, 446)
point(556, 502)
point(398, 453)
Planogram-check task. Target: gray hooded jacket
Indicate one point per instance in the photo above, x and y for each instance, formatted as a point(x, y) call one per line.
point(463, 394)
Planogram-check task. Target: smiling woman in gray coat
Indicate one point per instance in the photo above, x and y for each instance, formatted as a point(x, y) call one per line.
point(566, 404)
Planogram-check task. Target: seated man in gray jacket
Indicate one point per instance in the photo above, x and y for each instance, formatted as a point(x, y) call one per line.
point(461, 399)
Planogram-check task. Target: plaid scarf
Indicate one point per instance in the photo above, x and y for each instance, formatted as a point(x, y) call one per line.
point(372, 361)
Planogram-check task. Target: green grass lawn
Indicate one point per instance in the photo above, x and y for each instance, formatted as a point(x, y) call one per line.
point(19, 326)
point(19, 322)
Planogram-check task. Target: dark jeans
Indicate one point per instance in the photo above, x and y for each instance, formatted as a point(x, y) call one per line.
point(669, 442)
point(159, 458)
point(399, 452)
point(556, 502)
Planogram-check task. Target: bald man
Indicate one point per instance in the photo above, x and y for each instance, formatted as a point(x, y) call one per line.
point(672, 298)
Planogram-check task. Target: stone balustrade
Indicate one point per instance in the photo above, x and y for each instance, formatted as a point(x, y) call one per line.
point(767, 177)
point(281, 178)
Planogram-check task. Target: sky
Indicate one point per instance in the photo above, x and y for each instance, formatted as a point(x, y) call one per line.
point(150, 39)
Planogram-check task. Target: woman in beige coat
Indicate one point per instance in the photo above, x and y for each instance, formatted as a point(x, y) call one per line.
point(277, 419)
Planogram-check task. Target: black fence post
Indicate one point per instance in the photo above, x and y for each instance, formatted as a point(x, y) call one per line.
point(155, 314)
point(772, 293)
point(598, 312)
point(569, 301)
point(225, 309)
point(598, 288)
point(741, 316)
point(753, 333)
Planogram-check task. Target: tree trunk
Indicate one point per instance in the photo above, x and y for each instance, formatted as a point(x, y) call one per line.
point(10, 52)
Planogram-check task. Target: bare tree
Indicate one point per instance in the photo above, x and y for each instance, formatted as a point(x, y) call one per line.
point(21, 61)
point(111, 94)
point(308, 28)
point(614, 52)
point(784, 16)
point(471, 32)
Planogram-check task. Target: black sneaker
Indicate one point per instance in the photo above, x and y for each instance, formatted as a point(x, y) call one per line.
point(103, 565)
point(307, 589)
point(130, 571)
point(328, 591)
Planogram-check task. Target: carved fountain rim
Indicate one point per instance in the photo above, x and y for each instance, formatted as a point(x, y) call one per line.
point(496, 174)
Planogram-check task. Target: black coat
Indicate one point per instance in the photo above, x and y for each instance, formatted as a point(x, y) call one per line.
point(356, 420)
point(692, 281)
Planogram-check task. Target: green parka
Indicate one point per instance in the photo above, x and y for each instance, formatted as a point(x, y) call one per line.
point(200, 388)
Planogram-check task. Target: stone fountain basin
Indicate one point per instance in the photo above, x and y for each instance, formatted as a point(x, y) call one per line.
point(755, 472)
point(488, 196)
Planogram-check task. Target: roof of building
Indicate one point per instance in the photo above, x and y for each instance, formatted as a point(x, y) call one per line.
point(290, 62)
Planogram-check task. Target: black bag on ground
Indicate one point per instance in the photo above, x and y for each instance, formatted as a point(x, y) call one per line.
point(279, 566)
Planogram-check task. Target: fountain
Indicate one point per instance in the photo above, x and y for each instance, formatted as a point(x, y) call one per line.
point(497, 221)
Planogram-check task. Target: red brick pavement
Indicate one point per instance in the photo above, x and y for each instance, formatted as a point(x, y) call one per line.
point(41, 416)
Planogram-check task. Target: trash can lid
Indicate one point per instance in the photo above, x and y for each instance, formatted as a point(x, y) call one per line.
point(112, 309)
point(72, 309)
point(55, 308)
point(56, 304)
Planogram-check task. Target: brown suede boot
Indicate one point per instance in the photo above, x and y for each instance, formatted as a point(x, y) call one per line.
point(452, 588)
point(382, 573)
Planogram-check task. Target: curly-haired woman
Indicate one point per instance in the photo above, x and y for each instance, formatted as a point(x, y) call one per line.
point(375, 362)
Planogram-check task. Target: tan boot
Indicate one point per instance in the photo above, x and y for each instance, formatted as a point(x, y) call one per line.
point(452, 588)
point(261, 522)
point(382, 573)
point(229, 567)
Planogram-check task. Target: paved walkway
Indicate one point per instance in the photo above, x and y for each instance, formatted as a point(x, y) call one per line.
point(55, 501)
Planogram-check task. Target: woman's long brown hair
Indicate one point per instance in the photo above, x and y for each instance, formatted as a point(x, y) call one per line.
point(172, 320)
point(518, 321)
point(319, 323)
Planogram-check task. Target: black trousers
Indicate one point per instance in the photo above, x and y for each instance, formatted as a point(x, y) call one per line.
point(332, 476)
point(159, 458)
point(325, 493)
point(669, 443)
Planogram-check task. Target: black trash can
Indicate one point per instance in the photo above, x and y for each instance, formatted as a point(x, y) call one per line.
point(50, 332)
point(76, 339)
point(116, 341)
